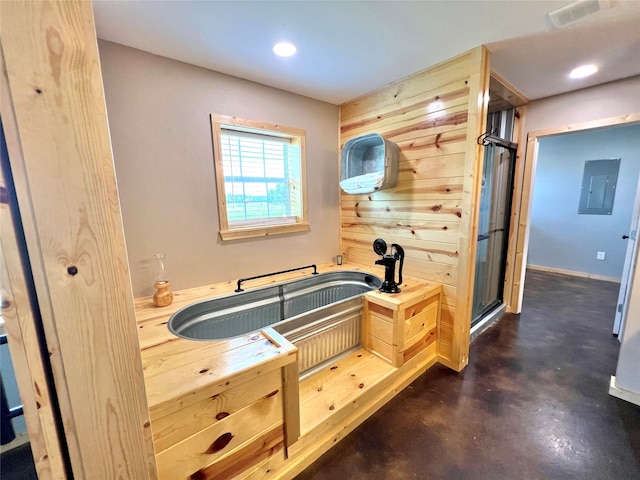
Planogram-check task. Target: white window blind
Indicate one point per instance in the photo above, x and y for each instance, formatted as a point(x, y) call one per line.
point(261, 177)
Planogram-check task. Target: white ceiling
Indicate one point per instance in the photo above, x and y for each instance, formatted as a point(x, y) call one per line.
point(349, 48)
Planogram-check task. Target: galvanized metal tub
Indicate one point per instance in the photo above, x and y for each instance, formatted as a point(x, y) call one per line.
point(320, 314)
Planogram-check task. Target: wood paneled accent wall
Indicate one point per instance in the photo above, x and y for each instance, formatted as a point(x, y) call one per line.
point(434, 117)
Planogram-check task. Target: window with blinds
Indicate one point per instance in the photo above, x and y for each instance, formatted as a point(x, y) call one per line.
point(260, 178)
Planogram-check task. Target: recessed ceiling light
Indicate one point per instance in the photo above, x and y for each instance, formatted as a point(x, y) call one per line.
point(284, 49)
point(583, 71)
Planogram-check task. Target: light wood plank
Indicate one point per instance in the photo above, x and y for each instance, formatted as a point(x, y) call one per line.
point(477, 108)
point(291, 387)
point(446, 73)
point(82, 276)
point(440, 189)
point(260, 448)
point(25, 345)
point(426, 339)
point(437, 99)
point(431, 167)
point(360, 208)
point(335, 386)
point(507, 92)
point(381, 329)
point(417, 324)
point(414, 249)
point(444, 232)
point(210, 444)
point(424, 109)
point(174, 428)
point(163, 355)
point(418, 144)
point(516, 200)
point(423, 269)
point(399, 129)
point(207, 376)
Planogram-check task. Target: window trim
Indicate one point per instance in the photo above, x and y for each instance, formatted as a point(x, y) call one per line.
point(264, 227)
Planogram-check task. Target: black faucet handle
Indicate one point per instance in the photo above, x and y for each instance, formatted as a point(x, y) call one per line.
point(400, 256)
point(380, 246)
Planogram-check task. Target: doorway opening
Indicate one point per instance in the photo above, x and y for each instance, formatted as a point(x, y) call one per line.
point(494, 215)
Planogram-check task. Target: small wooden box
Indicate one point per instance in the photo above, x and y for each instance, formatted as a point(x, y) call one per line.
point(398, 326)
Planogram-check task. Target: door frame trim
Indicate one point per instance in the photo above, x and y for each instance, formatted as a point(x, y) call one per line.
point(523, 214)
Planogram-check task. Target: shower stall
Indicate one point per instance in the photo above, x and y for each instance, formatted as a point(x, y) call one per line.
point(494, 214)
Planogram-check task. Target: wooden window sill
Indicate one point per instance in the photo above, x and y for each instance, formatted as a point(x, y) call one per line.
point(263, 231)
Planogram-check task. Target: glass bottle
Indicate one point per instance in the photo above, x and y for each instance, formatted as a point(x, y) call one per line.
point(163, 295)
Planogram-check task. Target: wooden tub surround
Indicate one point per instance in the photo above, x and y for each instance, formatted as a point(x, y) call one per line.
point(236, 409)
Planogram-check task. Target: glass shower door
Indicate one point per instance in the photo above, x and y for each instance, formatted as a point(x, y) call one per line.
point(493, 229)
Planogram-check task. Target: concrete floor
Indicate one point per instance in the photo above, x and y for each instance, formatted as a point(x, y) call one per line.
point(17, 464)
point(532, 404)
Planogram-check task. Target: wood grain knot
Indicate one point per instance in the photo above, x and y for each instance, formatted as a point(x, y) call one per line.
point(220, 442)
point(72, 270)
point(204, 370)
point(361, 385)
point(222, 415)
point(271, 394)
point(332, 407)
point(334, 367)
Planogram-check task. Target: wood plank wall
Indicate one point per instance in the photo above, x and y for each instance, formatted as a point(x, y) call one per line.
point(24, 343)
point(434, 117)
point(68, 200)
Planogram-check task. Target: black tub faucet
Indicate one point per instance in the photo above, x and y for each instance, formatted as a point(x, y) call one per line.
point(389, 284)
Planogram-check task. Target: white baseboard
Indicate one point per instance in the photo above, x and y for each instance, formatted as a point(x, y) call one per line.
point(573, 273)
point(628, 395)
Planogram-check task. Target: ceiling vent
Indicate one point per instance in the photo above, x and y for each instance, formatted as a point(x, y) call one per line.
point(575, 11)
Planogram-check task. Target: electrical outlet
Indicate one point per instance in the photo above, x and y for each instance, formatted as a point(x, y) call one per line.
point(600, 256)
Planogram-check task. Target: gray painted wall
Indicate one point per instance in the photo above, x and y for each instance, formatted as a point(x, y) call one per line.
point(161, 135)
point(560, 237)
